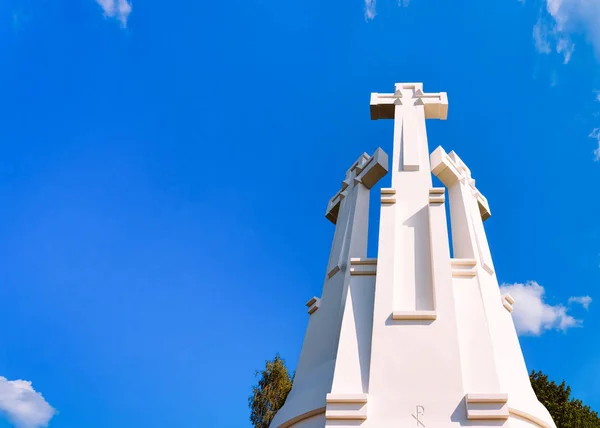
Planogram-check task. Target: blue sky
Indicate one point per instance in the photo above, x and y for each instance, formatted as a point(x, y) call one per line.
point(165, 170)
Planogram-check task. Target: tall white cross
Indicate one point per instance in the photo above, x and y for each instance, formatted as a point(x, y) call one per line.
point(404, 262)
point(409, 106)
point(346, 209)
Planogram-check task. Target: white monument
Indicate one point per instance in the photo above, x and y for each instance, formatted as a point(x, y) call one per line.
point(413, 338)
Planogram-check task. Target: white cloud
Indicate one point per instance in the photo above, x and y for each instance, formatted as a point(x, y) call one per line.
point(369, 9)
point(565, 47)
point(119, 9)
point(595, 134)
point(565, 18)
point(581, 300)
point(25, 407)
point(540, 37)
point(532, 315)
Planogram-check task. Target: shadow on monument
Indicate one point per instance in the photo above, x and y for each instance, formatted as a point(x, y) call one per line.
point(363, 336)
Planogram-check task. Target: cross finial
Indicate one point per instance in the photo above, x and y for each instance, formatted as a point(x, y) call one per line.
point(409, 106)
point(366, 170)
point(450, 168)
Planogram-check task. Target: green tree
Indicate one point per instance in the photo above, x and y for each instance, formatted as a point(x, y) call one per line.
point(566, 411)
point(270, 393)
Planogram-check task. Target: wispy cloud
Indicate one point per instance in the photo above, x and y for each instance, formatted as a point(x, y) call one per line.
point(370, 9)
point(25, 407)
point(561, 19)
point(584, 301)
point(119, 9)
point(540, 38)
point(532, 315)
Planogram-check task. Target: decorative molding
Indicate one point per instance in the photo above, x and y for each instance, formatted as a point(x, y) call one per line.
point(437, 195)
point(414, 315)
point(388, 196)
point(313, 304)
point(464, 268)
point(359, 261)
point(487, 406)
point(346, 406)
point(508, 302)
point(333, 271)
point(363, 266)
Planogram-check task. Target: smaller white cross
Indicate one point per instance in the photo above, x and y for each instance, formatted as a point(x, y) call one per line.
point(366, 171)
point(452, 171)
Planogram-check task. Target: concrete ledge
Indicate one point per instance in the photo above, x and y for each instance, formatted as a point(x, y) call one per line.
point(487, 406)
point(347, 398)
point(364, 270)
point(388, 196)
point(346, 407)
point(486, 398)
point(414, 315)
point(313, 304)
point(363, 266)
point(465, 268)
point(359, 261)
point(437, 195)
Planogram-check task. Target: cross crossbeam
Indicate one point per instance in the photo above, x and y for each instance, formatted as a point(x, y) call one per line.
point(383, 105)
point(367, 170)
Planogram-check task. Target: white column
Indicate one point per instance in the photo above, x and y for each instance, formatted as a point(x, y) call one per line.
point(331, 314)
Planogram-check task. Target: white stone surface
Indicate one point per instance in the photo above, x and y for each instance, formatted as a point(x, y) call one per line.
point(413, 338)
point(333, 366)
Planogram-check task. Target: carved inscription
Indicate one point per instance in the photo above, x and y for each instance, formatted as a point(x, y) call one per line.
point(418, 416)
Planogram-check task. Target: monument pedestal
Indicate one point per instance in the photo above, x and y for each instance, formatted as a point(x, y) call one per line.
point(413, 338)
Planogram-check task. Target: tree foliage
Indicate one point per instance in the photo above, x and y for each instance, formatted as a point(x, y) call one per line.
point(567, 412)
point(270, 393)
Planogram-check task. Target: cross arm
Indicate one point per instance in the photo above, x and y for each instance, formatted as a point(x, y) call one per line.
point(367, 170)
point(370, 172)
point(383, 105)
point(449, 168)
point(333, 207)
